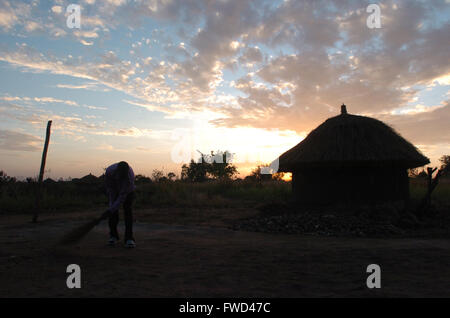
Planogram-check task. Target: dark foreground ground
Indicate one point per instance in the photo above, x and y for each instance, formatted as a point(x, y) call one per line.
point(200, 257)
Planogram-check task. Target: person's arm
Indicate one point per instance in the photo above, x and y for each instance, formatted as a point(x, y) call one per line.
point(125, 188)
point(119, 200)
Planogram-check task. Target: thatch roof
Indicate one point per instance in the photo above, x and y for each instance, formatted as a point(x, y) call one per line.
point(351, 140)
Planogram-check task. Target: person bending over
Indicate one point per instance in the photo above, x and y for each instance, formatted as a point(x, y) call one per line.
point(119, 180)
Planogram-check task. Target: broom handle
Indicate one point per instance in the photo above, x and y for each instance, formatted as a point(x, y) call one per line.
point(104, 216)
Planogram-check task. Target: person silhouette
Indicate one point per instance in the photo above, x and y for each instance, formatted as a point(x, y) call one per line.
point(119, 182)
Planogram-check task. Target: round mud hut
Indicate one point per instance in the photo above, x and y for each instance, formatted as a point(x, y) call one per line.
point(351, 158)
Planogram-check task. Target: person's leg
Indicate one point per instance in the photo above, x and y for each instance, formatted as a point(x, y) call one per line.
point(113, 221)
point(128, 211)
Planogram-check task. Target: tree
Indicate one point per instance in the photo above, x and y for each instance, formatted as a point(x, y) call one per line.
point(257, 175)
point(171, 176)
point(445, 165)
point(220, 166)
point(4, 178)
point(422, 174)
point(195, 171)
point(216, 165)
point(415, 173)
point(184, 172)
point(142, 179)
point(30, 180)
point(157, 175)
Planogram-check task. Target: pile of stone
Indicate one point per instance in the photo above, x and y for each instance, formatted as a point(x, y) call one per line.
point(374, 221)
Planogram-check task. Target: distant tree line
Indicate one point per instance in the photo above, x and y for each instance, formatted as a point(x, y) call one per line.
point(258, 176)
point(216, 166)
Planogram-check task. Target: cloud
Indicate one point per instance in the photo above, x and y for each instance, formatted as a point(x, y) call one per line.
point(96, 107)
point(18, 141)
point(429, 127)
point(54, 100)
point(135, 133)
point(24, 110)
point(107, 70)
point(131, 132)
point(42, 100)
point(300, 89)
point(9, 15)
point(153, 108)
point(88, 86)
point(107, 147)
point(116, 2)
point(92, 34)
point(86, 42)
point(57, 9)
point(306, 58)
point(251, 55)
point(31, 26)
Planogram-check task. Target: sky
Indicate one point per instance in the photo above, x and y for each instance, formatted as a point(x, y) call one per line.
point(157, 82)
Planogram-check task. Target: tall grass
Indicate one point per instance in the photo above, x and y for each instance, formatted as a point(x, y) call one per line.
point(418, 188)
point(212, 193)
point(19, 197)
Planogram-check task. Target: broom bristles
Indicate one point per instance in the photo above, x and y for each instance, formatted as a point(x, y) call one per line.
point(78, 233)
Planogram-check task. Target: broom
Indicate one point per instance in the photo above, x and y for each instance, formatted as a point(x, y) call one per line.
point(79, 232)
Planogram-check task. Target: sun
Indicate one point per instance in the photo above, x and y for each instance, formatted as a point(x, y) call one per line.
point(287, 177)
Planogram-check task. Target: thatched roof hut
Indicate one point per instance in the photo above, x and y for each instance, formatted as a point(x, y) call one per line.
point(349, 158)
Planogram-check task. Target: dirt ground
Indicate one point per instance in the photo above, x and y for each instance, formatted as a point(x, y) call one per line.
point(191, 253)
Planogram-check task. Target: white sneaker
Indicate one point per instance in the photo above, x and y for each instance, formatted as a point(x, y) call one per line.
point(130, 244)
point(112, 241)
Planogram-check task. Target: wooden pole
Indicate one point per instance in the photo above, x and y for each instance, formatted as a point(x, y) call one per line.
point(41, 173)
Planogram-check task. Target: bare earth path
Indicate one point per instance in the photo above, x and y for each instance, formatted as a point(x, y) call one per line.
point(211, 261)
